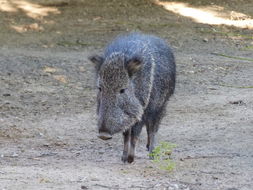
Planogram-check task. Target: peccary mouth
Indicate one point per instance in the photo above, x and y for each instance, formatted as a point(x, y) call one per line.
point(104, 136)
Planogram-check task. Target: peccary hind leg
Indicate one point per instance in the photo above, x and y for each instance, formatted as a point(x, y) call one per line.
point(152, 125)
point(151, 139)
point(148, 140)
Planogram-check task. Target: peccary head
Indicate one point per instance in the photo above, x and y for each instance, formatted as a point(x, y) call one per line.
point(117, 105)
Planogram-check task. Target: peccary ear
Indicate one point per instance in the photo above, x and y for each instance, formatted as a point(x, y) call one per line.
point(133, 65)
point(97, 60)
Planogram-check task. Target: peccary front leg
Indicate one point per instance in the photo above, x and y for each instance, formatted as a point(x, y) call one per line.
point(133, 142)
point(135, 133)
point(126, 135)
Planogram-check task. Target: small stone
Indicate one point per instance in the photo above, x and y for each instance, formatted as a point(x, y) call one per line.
point(82, 179)
point(94, 179)
point(6, 94)
point(205, 40)
point(176, 186)
point(215, 178)
point(237, 102)
point(84, 187)
point(78, 154)
point(41, 134)
point(14, 155)
point(46, 145)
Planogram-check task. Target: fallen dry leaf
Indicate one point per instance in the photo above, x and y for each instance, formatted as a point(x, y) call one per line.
point(60, 78)
point(49, 69)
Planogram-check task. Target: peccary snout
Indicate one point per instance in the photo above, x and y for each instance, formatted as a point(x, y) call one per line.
point(103, 133)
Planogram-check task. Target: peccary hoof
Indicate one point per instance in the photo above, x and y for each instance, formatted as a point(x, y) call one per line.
point(130, 159)
point(151, 157)
point(126, 158)
point(147, 146)
point(104, 136)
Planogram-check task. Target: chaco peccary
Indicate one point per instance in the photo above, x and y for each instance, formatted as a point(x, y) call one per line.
point(135, 78)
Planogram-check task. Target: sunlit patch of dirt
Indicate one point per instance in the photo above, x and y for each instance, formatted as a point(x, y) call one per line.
point(214, 15)
point(32, 10)
point(27, 27)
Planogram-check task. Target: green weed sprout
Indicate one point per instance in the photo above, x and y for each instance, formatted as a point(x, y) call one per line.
point(161, 156)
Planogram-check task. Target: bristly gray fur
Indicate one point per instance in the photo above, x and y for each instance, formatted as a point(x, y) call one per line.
point(136, 77)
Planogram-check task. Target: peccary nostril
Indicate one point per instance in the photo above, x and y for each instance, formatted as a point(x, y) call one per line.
point(104, 136)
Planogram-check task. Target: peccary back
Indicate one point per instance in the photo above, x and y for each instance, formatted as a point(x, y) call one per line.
point(136, 76)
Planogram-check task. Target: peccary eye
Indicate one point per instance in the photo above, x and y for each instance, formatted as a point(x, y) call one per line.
point(122, 91)
point(100, 89)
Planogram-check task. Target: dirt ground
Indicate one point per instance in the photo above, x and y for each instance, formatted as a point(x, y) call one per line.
point(48, 136)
